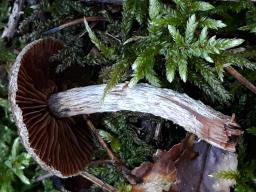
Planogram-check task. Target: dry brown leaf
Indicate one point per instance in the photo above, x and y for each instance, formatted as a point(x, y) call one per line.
point(186, 167)
point(158, 176)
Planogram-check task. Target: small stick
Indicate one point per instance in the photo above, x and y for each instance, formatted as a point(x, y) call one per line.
point(127, 173)
point(43, 177)
point(120, 2)
point(100, 162)
point(13, 19)
point(74, 22)
point(235, 0)
point(241, 79)
point(157, 132)
point(98, 182)
point(115, 2)
point(102, 142)
point(87, 176)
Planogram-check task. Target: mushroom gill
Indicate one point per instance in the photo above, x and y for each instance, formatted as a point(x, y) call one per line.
point(60, 145)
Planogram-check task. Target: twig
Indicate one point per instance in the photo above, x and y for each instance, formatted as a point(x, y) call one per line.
point(43, 177)
point(157, 132)
point(102, 142)
point(241, 79)
point(234, 0)
point(98, 182)
point(32, 2)
point(74, 22)
point(13, 19)
point(237, 75)
point(100, 162)
point(127, 173)
point(120, 2)
point(116, 2)
point(87, 176)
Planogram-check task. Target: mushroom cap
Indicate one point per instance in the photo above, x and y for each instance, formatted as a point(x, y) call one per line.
point(62, 146)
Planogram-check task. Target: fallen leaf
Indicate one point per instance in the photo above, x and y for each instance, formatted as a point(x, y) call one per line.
point(158, 176)
point(186, 167)
point(195, 175)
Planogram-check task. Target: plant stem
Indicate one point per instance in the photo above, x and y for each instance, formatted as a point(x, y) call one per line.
point(241, 79)
point(73, 22)
point(116, 161)
point(98, 182)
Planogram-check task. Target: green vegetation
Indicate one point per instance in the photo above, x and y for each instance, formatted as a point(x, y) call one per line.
point(17, 169)
point(184, 45)
point(184, 39)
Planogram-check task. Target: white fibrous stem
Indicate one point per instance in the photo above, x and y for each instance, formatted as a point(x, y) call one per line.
point(197, 118)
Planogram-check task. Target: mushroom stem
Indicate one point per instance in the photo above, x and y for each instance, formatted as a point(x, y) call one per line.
point(208, 124)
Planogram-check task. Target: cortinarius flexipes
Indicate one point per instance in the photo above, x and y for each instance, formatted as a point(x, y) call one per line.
point(64, 148)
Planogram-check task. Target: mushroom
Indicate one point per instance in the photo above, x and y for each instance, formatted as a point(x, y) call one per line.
point(44, 114)
point(62, 146)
